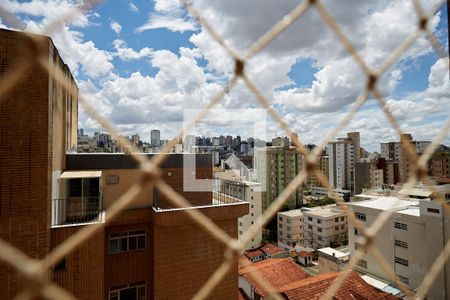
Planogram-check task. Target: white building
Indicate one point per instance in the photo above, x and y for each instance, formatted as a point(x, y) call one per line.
point(331, 260)
point(341, 163)
point(325, 226)
point(410, 240)
point(290, 228)
point(231, 184)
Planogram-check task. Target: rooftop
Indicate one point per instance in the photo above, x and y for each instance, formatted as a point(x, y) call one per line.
point(353, 287)
point(277, 271)
point(385, 203)
point(291, 213)
point(327, 211)
point(333, 252)
point(271, 249)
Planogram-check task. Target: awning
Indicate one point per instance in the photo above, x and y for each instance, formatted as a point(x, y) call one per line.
point(80, 174)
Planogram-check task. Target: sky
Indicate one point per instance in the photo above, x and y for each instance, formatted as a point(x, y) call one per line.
point(148, 64)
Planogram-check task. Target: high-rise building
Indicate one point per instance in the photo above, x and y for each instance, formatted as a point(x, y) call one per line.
point(155, 138)
point(232, 186)
point(276, 168)
point(150, 250)
point(341, 163)
point(355, 139)
point(188, 143)
point(395, 151)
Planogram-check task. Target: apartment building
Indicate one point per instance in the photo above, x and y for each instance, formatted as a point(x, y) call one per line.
point(231, 185)
point(341, 160)
point(47, 194)
point(439, 166)
point(395, 151)
point(410, 240)
point(322, 166)
point(290, 228)
point(324, 226)
point(276, 168)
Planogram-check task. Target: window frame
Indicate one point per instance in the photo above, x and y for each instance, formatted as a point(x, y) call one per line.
point(127, 236)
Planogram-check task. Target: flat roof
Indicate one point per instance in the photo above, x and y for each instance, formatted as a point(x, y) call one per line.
point(324, 211)
point(292, 213)
point(415, 192)
point(412, 211)
point(333, 252)
point(385, 203)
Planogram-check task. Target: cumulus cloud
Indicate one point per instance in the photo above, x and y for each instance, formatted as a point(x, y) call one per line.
point(169, 15)
point(127, 54)
point(115, 26)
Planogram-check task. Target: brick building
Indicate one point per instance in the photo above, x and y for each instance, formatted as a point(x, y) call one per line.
point(151, 250)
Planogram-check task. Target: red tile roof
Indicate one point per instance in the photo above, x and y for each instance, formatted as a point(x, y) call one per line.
point(353, 287)
point(276, 271)
point(243, 261)
point(304, 254)
point(253, 253)
point(271, 249)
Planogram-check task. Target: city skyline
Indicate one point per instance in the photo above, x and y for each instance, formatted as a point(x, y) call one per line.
point(140, 47)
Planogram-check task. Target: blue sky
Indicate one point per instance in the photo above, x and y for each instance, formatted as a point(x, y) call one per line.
point(142, 62)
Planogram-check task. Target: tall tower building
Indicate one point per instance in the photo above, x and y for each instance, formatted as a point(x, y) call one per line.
point(155, 138)
point(341, 163)
point(276, 168)
point(355, 139)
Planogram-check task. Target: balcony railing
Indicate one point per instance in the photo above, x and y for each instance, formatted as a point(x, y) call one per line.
point(221, 198)
point(76, 210)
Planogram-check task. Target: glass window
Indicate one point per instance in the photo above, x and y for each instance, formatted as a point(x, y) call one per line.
point(401, 226)
point(360, 216)
point(126, 241)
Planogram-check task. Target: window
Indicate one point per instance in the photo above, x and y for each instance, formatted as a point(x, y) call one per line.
point(288, 228)
point(126, 241)
point(280, 218)
point(319, 238)
point(355, 230)
point(288, 236)
point(401, 261)
point(310, 219)
point(403, 279)
point(342, 226)
point(336, 227)
point(401, 244)
point(342, 218)
point(433, 210)
point(288, 221)
point(336, 219)
point(130, 291)
point(362, 263)
point(319, 221)
point(319, 229)
point(401, 226)
point(309, 226)
point(280, 225)
point(360, 216)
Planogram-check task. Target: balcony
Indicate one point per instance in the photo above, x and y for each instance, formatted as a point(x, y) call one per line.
point(76, 210)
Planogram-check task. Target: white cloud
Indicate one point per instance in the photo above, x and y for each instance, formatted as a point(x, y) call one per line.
point(169, 15)
point(170, 22)
point(127, 54)
point(116, 27)
point(132, 7)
